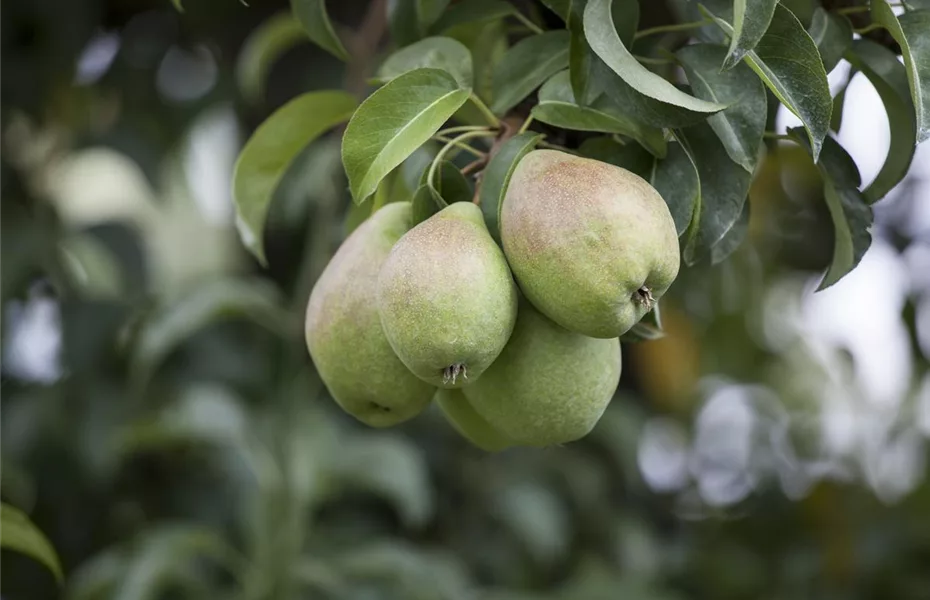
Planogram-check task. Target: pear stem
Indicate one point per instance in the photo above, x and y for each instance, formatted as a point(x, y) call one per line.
point(644, 296)
point(451, 373)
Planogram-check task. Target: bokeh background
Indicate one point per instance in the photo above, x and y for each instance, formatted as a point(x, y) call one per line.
point(163, 425)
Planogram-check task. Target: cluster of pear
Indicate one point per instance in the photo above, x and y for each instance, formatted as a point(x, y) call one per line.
point(403, 315)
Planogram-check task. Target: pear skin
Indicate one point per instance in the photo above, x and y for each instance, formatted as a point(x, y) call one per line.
point(470, 425)
point(549, 385)
point(593, 246)
point(447, 299)
point(343, 328)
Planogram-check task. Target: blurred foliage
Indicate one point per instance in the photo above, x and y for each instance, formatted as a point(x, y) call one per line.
point(162, 424)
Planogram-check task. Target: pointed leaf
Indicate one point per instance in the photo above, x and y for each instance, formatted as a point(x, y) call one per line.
point(582, 60)
point(889, 78)
point(751, 19)
point(606, 43)
point(910, 30)
point(433, 52)
point(409, 20)
point(526, 66)
point(787, 60)
point(559, 7)
point(833, 34)
point(315, 21)
point(733, 238)
point(741, 125)
point(632, 157)
point(21, 535)
point(676, 180)
point(271, 149)
point(267, 42)
point(393, 122)
point(473, 11)
point(496, 177)
point(851, 216)
point(557, 107)
point(451, 185)
point(426, 203)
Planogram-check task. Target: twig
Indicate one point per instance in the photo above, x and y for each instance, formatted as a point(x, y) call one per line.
point(461, 145)
point(475, 165)
point(363, 44)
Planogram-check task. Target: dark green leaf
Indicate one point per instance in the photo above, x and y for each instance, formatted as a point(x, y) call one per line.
point(271, 149)
point(21, 535)
point(393, 122)
point(496, 177)
point(178, 6)
point(839, 101)
point(724, 187)
point(433, 52)
point(487, 42)
point(910, 30)
point(787, 60)
point(833, 34)
point(741, 125)
point(473, 11)
point(557, 107)
point(733, 238)
point(450, 184)
point(582, 60)
point(559, 7)
point(648, 329)
point(606, 43)
point(261, 49)
point(409, 20)
point(676, 180)
point(426, 203)
point(751, 19)
point(315, 20)
point(849, 212)
point(632, 157)
point(526, 66)
point(889, 78)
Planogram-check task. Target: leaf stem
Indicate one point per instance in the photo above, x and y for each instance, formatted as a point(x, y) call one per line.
point(460, 145)
point(526, 124)
point(851, 10)
point(529, 24)
point(431, 175)
point(868, 28)
point(544, 144)
point(673, 27)
point(771, 135)
point(481, 106)
point(462, 128)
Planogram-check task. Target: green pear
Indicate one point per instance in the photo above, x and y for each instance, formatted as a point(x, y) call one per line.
point(549, 385)
point(447, 299)
point(343, 328)
point(470, 425)
point(593, 246)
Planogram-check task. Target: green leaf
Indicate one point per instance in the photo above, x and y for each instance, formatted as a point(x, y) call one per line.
point(632, 157)
point(889, 78)
point(647, 329)
point(850, 213)
point(487, 42)
point(582, 60)
point(409, 20)
point(560, 7)
point(741, 125)
point(473, 11)
point(751, 19)
point(526, 66)
point(787, 60)
point(557, 107)
point(393, 122)
point(21, 535)
point(833, 34)
point(724, 187)
point(271, 149)
point(433, 52)
point(451, 185)
point(315, 21)
point(496, 177)
point(676, 180)
point(733, 238)
point(606, 43)
point(178, 6)
point(426, 203)
point(839, 101)
point(267, 42)
point(910, 30)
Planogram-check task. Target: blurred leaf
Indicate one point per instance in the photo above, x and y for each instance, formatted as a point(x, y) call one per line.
point(487, 42)
point(173, 323)
point(433, 52)
point(178, 6)
point(647, 329)
point(889, 78)
point(92, 267)
point(732, 239)
point(473, 11)
point(395, 121)
point(676, 180)
point(496, 177)
point(631, 157)
point(315, 21)
point(96, 578)
point(271, 149)
point(526, 66)
point(910, 31)
point(833, 34)
point(851, 216)
point(265, 44)
point(558, 108)
point(751, 19)
point(21, 535)
point(787, 61)
point(741, 125)
point(582, 60)
point(606, 43)
point(538, 518)
point(724, 187)
point(559, 7)
point(410, 19)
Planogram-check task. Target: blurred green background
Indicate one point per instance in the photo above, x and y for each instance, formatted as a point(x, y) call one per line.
point(163, 425)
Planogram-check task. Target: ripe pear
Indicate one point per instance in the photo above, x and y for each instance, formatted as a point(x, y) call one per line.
point(593, 246)
point(343, 328)
point(447, 299)
point(470, 425)
point(549, 385)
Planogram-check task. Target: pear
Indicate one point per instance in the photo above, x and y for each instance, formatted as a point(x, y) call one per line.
point(447, 299)
point(549, 385)
point(593, 246)
point(343, 328)
point(470, 425)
